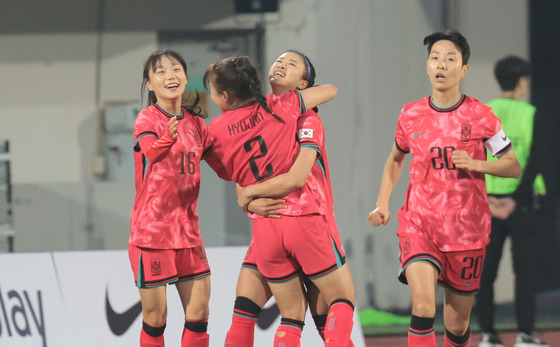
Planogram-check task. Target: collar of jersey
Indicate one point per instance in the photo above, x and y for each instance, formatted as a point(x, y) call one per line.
point(447, 109)
point(169, 114)
point(244, 105)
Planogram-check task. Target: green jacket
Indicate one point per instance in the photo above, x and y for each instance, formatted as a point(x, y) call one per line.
point(517, 121)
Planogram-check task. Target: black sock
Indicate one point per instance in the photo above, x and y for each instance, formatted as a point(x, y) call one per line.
point(459, 340)
point(153, 331)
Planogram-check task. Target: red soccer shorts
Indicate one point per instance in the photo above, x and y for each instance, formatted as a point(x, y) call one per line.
point(250, 260)
point(285, 245)
point(156, 267)
point(458, 271)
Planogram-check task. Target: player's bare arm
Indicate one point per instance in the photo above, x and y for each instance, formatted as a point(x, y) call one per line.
point(506, 165)
point(318, 95)
point(391, 174)
point(285, 183)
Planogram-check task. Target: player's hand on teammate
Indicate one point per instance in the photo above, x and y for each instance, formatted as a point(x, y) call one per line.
point(379, 216)
point(463, 160)
point(243, 198)
point(267, 207)
point(173, 122)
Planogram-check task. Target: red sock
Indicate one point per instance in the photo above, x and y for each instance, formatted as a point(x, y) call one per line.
point(147, 338)
point(320, 322)
point(195, 335)
point(418, 338)
point(242, 331)
point(421, 332)
point(288, 333)
point(339, 323)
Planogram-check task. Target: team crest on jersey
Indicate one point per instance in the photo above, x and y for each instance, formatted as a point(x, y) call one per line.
point(156, 266)
point(465, 132)
point(406, 247)
point(305, 133)
point(197, 137)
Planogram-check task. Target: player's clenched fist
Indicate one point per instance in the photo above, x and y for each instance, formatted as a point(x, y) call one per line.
point(462, 160)
point(379, 216)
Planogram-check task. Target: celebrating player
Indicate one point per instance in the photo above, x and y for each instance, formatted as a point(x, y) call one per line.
point(444, 225)
point(292, 70)
point(165, 245)
point(254, 139)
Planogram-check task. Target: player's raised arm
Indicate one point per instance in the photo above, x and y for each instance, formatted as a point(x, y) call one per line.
point(318, 95)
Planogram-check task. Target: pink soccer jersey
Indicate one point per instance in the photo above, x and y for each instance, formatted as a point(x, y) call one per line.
point(164, 212)
point(311, 133)
point(444, 202)
point(255, 146)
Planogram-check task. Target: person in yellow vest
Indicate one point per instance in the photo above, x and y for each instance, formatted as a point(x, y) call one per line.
point(517, 116)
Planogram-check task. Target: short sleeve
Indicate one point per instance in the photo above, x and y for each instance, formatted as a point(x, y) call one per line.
point(289, 104)
point(311, 131)
point(144, 125)
point(402, 136)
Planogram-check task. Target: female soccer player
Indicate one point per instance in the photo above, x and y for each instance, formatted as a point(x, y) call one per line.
point(445, 222)
point(291, 71)
point(165, 245)
point(254, 139)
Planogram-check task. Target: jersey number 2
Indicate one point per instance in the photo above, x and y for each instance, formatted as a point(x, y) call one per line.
point(253, 161)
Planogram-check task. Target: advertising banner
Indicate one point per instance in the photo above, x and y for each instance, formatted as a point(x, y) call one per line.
point(31, 308)
point(89, 299)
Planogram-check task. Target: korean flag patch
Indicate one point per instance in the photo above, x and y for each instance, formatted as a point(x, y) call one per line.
point(305, 133)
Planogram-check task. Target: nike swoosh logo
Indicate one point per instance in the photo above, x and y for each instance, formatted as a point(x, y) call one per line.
point(268, 316)
point(416, 135)
point(119, 323)
point(504, 138)
point(468, 284)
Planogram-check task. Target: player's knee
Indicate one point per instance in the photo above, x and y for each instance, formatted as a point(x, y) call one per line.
point(458, 327)
point(423, 309)
point(155, 316)
point(345, 293)
point(198, 310)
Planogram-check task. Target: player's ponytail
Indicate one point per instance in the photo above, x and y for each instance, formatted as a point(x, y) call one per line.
point(239, 77)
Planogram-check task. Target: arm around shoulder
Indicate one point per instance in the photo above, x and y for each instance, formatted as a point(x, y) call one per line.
point(318, 95)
